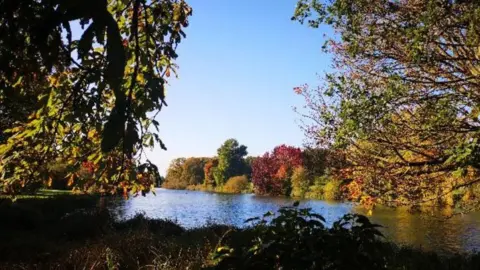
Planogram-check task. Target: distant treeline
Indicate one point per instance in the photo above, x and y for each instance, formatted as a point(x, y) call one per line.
point(286, 170)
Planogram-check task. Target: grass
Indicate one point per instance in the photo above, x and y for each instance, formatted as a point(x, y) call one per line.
point(70, 232)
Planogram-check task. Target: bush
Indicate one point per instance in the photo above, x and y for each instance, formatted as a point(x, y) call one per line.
point(315, 191)
point(236, 184)
point(331, 190)
point(171, 184)
point(298, 239)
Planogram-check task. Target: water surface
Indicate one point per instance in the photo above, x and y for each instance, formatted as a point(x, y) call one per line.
point(194, 208)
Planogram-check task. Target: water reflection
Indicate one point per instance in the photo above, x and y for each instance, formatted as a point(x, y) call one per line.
point(193, 209)
point(431, 231)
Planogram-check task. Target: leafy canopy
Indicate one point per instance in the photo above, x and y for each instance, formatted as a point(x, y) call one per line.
point(404, 92)
point(95, 95)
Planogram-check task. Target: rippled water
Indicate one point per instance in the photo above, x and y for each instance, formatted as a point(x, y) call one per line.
point(194, 208)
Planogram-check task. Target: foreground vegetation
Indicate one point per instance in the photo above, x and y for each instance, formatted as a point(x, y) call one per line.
point(73, 232)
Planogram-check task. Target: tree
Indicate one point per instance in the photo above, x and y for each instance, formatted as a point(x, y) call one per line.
point(184, 172)
point(160, 181)
point(272, 172)
point(300, 182)
point(315, 161)
point(230, 161)
point(264, 169)
point(403, 100)
point(248, 162)
point(288, 158)
point(174, 178)
point(209, 172)
point(94, 96)
point(193, 170)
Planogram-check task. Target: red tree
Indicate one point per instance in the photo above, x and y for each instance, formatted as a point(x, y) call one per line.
point(288, 158)
point(271, 172)
point(263, 175)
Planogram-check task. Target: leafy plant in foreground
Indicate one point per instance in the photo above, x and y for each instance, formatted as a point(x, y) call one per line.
point(297, 238)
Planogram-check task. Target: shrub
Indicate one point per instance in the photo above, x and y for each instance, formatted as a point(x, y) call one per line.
point(300, 182)
point(170, 184)
point(315, 191)
point(331, 190)
point(236, 184)
point(298, 239)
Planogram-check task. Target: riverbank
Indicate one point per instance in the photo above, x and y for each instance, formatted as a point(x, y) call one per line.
point(327, 190)
point(65, 232)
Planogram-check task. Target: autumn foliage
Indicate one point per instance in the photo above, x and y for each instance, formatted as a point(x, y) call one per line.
point(271, 173)
point(402, 99)
point(208, 172)
point(236, 184)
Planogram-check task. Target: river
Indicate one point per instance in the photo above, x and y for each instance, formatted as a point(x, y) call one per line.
point(194, 208)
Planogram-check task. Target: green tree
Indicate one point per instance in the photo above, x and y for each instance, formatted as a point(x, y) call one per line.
point(94, 97)
point(230, 161)
point(404, 94)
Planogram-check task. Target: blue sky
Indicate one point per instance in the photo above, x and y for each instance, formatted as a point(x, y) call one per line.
point(238, 66)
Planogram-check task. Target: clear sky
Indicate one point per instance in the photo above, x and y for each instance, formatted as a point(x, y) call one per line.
point(238, 66)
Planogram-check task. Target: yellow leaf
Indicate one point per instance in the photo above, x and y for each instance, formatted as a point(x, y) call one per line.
point(140, 78)
point(91, 133)
point(70, 180)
